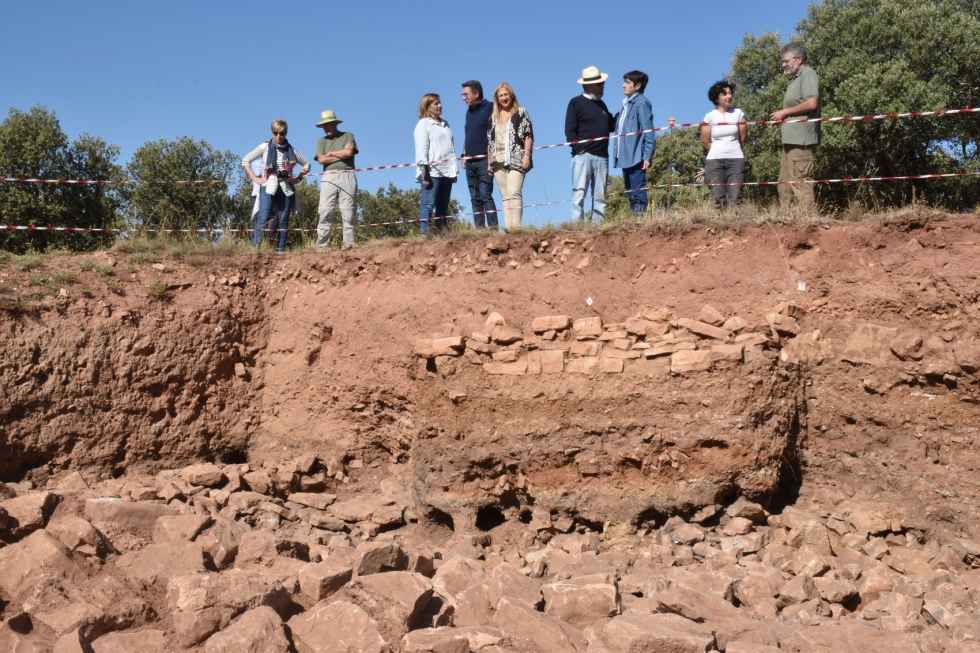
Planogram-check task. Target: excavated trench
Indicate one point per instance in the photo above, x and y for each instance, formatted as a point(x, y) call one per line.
point(420, 443)
point(162, 386)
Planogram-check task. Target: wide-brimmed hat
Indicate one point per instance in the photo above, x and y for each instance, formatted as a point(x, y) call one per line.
point(592, 75)
point(327, 116)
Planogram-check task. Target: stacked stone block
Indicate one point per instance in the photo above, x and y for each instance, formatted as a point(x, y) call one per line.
point(653, 340)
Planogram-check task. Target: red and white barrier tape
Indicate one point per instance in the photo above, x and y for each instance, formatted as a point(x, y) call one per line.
point(455, 218)
point(839, 180)
point(937, 113)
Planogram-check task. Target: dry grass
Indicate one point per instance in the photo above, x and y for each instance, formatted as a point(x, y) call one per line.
point(142, 250)
point(158, 291)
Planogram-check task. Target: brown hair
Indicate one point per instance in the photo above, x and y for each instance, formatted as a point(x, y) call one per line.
point(504, 86)
point(426, 103)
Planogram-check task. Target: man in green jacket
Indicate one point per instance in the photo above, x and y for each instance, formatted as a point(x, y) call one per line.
point(800, 140)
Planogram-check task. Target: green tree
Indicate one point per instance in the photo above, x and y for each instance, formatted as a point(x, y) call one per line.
point(878, 56)
point(156, 199)
point(33, 145)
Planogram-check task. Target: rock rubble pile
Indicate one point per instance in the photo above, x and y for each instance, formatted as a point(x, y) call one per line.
point(277, 558)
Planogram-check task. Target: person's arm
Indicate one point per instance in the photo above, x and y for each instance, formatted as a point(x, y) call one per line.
point(706, 136)
point(491, 142)
point(809, 105)
point(304, 169)
point(247, 163)
point(571, 122)
point(743, 129)
point(422, 153)
point(345, 152)
point(644, 112)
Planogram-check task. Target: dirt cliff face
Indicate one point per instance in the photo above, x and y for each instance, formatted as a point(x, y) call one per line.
point(759, 440)
point(137, 382)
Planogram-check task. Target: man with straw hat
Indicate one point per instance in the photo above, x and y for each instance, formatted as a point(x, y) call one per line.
point(587, 117)
point(338, 183)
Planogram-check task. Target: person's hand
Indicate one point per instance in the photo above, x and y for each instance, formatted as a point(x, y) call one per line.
point(526, 162)
point(779, 115)
point(646, 164)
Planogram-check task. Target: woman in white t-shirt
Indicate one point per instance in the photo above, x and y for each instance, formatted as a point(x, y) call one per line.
point(723, 133)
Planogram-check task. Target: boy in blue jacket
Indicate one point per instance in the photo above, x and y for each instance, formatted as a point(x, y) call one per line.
point(633, 151)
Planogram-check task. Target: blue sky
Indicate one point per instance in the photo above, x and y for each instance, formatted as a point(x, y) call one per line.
point(220, 71)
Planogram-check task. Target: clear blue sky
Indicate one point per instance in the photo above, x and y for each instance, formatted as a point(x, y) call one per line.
point(220, 71)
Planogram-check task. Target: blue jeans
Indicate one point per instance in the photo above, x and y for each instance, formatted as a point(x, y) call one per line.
point(279, 206)
point(589, 172)
point(635, 180)
point(480, 181)
point(435, 204)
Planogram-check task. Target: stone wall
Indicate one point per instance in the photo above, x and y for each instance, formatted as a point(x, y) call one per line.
point(652, 340)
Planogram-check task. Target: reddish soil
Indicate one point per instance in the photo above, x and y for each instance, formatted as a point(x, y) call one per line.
point(873, 405)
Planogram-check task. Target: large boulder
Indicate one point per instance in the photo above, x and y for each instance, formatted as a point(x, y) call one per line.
point(23, 562)
point(337, 627)
point(144, 641)
point(377, 557)
point(546, 634)
point(162, 561)
point(319, 581)
point(113, 515)
point(582, 600)
point(398, 600)
point(654, 633)
point(260, 630)
point(179, 528)
point(202, 604)
point(79, 535)
point(462, 582)
point(29, 512)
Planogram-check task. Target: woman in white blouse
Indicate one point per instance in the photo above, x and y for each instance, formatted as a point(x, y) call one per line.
point(724, 167)
point(276, 183)
point(435, 160)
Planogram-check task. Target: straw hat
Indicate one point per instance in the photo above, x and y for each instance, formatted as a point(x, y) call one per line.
point(592, 75)
point(327, 116)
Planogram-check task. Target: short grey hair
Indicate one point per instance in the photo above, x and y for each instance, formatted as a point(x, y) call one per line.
point(796, 49)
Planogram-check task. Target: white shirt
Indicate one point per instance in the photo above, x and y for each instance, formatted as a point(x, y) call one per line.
point(622, 114)
point(724, 138)
point(273, 181)
point(434, 147)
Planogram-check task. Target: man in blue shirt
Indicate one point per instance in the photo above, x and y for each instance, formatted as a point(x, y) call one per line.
point(478, 176)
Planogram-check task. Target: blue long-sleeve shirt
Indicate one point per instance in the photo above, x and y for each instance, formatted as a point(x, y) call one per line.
point(637, 115)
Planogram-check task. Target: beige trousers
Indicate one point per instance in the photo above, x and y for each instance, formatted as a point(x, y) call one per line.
point(338, 188)
point(795, 164)
point(511, 185)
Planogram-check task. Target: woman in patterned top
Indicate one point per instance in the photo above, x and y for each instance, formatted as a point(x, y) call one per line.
point(510, 142)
